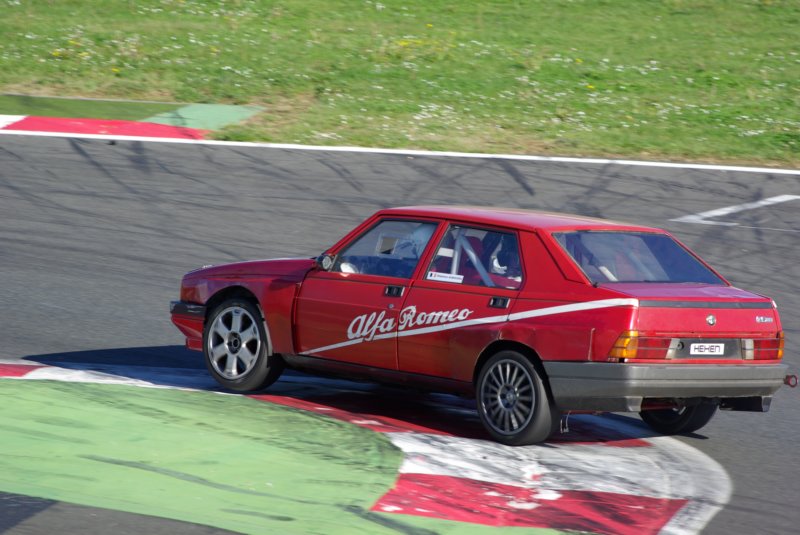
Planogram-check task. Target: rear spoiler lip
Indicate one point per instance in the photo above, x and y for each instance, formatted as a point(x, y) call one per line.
point(654, 303)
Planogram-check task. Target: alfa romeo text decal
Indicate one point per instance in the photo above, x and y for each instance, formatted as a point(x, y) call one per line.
point(366, 326)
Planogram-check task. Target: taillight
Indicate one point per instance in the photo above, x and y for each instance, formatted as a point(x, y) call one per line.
point(631, 345)
point(654, 347)
point(767, 348)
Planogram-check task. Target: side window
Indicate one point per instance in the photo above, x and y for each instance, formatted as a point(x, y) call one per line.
point(391, 248)
point(478, 257)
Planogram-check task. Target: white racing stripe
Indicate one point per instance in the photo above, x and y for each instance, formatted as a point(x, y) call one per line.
point(516, 316)
point(574, 307)
point(344, 344)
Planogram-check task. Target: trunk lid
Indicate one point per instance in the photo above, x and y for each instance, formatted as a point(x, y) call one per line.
point(701, 321)
point(702, 309)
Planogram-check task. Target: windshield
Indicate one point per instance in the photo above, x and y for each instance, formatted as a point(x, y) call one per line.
point(606, 256)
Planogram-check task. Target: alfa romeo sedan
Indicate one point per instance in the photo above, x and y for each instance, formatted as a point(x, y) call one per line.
point(534, 314)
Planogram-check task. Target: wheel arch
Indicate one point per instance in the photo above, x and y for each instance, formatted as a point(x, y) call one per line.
point(233, 292)
point(512, 345)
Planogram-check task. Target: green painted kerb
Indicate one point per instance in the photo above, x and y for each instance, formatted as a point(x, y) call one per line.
point(205, 116)
point(224, 461)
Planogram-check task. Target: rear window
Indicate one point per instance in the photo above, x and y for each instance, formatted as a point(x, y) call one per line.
point(633, 257)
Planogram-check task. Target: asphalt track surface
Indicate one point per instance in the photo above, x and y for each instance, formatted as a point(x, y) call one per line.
point(95, 235)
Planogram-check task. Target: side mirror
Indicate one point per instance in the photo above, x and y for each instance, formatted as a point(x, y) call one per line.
point(325, 262)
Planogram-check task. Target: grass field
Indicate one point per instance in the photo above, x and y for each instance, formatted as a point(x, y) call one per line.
point(701, 80)
point(87, 109)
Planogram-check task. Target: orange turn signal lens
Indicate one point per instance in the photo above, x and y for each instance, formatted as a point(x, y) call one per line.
point(626, 346)
point(781, 342)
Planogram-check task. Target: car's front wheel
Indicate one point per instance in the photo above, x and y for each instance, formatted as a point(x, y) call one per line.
point(679, 420)
point(236, 349)
point(512, 400)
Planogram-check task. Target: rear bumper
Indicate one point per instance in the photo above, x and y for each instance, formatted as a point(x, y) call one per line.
point(597, 386)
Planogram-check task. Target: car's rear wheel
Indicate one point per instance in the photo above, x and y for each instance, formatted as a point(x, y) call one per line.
point(679, 420)
point(512, 400)
point(236, 348)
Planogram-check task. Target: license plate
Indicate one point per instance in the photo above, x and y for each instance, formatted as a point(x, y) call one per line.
point(707, 349)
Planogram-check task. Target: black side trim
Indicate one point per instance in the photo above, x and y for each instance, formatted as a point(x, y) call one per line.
point(705, 304)
point(187, 309)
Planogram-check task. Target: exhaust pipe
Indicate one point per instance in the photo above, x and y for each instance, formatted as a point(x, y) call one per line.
point(790, 381)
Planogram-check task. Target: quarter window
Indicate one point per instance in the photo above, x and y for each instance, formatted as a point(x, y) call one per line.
point(478, 257)
point(391, 248)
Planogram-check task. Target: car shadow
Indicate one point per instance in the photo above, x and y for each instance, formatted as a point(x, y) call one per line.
point(381, 407)
point(153, 356)
point(170, 366)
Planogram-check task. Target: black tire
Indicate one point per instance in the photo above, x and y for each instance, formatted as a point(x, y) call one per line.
point(236, 347)
point(512, 400)
point(678, 421)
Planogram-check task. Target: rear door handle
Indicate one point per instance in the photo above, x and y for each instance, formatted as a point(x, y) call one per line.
point(393, 291)
point(499, 302)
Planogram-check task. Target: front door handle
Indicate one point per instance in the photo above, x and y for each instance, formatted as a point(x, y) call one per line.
point(393, 291)
point(498, 302)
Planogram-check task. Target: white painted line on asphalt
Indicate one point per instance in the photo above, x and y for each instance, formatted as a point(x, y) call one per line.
point(774, 229)
point(414, 153)
point(703, 217)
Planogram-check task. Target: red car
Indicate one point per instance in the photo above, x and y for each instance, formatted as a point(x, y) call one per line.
point(535, 314)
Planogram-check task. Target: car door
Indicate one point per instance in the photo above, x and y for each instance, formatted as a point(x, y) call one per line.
point(349, 313)
point(471, 283)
